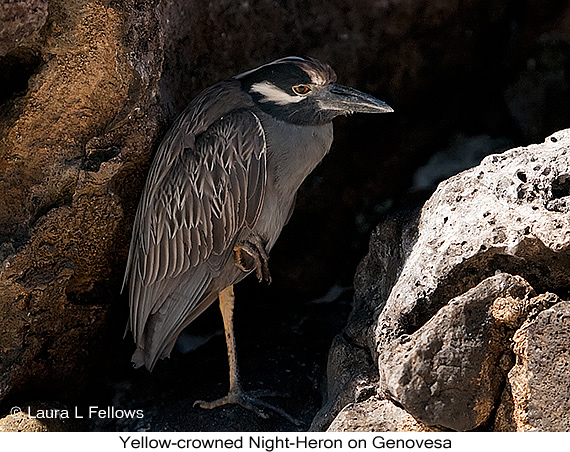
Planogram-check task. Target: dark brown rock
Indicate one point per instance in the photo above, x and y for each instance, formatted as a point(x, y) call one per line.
point(19, 20)
point(38, 417)
point(72, 158)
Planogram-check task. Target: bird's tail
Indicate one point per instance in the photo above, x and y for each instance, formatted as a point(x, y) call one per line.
point(166, 322)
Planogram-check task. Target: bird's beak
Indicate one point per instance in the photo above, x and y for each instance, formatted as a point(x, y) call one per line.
point(348, 100)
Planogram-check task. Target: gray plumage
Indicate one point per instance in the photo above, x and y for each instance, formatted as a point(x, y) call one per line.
point(228, 169)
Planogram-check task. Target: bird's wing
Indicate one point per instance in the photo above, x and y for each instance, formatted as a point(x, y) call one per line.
point(202, 189)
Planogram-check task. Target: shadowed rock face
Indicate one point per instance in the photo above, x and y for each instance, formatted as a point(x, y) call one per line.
point(471, 283)
point(73, 154)
point(19, 21)
point(87, 89)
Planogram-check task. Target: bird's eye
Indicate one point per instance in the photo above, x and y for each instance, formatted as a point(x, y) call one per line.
point(303, 90)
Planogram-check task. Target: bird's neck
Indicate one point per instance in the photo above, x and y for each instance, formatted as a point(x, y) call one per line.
point(294, 151)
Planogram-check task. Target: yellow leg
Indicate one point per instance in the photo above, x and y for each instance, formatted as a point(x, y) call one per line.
point(236, 395)
point(227, 299)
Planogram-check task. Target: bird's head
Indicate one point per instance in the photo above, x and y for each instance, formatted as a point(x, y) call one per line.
point(303, 91)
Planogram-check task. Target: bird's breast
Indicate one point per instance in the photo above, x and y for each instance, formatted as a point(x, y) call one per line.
point(292, 153)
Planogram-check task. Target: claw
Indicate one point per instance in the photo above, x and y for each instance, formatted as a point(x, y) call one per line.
point(249, 402)
point(255, 249)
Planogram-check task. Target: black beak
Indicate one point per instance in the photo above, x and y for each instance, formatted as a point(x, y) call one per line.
point(347, 100)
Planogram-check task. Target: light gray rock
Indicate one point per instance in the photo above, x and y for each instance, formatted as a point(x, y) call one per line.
point(536, 395)
point(376, 415)
point(440, 295)
point(508, 214)
point(450, 371)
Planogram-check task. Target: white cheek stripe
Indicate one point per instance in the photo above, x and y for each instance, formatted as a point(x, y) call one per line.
point(273, 94)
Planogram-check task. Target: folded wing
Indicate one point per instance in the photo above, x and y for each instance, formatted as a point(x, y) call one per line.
point(202, 190)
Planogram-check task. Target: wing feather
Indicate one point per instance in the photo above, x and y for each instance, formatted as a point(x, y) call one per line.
point(203, 188)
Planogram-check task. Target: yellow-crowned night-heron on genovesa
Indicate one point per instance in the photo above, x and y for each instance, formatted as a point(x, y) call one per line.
point(220, 189)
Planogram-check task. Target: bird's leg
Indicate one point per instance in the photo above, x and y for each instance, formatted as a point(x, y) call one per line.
point(227, 299)
point(236, 395)
point(255, 249)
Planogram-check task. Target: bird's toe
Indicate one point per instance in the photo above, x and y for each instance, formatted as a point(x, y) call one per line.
point(251, 402)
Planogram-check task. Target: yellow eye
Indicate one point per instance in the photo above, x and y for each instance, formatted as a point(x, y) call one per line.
point(303, 90)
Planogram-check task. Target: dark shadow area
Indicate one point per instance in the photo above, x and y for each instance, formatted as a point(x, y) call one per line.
point(15, 70)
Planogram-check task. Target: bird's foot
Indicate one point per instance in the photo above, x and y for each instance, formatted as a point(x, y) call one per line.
point(249, 401)
point(250, 254)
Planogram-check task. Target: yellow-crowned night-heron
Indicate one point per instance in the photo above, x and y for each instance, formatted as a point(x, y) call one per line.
point(220, 189)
